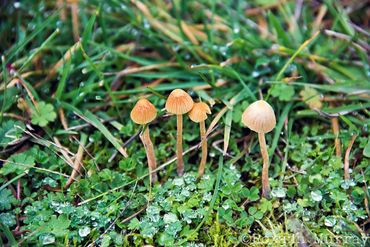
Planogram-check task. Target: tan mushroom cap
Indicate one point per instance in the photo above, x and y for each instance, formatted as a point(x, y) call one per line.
point(143, 112)
point(259, 117)
point(199, 112)
point(179, 102)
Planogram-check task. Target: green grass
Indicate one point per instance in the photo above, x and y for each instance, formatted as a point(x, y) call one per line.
point(309, 61)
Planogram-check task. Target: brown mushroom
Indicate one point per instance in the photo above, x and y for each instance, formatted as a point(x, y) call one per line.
point(179, 103)
point(198, 114)
point(143, 113)
point(260, 117)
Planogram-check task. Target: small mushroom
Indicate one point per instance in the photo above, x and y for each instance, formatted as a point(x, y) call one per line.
point(260, 117)
point(198, 114)
point(143, 113)
point(179, 103)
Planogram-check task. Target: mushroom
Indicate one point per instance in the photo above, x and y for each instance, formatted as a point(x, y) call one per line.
point(143, 113)
point(198, 114)
point(179, 103)
point(260, 117)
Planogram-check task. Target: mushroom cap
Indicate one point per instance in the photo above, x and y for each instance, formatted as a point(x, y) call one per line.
point(259, 117)
point(143, 112)
point(179, 102)
point(199, 112)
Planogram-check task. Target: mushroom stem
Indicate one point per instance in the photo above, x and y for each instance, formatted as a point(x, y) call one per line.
point(202, 165)
point(148, 145)
point(265, 169)
point(346, 157)
point(180, 162)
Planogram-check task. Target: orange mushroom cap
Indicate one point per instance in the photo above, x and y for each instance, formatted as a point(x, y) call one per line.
point(143, 112)
point(179, 102)
point(259, 117)
point(199, 112)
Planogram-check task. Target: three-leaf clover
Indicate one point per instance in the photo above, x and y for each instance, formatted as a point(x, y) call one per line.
point(283, 91)
point(59, 226)
point(254, 214)
point(265, 205)
point(43, 114)
point(252, 194)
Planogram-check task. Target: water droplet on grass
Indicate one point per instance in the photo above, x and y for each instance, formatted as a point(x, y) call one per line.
point(330, 221)
point(84, 231)
point(47, 239)
point(316, 195)
point(255, 74)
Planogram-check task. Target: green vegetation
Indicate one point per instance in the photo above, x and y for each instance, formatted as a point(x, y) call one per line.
point(73, 168)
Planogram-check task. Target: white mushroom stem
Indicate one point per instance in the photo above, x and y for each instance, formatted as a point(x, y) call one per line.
point(265, 169)
point(180, 162)
point(204, 148)
point(148, 145)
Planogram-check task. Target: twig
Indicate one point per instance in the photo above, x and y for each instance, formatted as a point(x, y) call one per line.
point(64, 152)
point(332, 115)
point(319, 17)
point(19, 189)
point(60, 5)
point(78, 161)
point(215, 145)
point(13, 115)
point(133, 215)
point(361, 44)
point(22, 82)
point(75, 21)
point(63, 119)
point(298, 10)
point(360, 29)
point(35, 167)
point(335, 128)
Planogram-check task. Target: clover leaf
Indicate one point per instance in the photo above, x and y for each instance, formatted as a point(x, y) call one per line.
point(7, 219)
point(59, 226)
point(265, 205)
point(43, 114)
point(18, 163)
point(252, 194)
point(282, 91)
point(7, 199)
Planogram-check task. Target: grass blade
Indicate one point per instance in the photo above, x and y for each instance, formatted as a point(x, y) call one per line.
point(91, 118)
point(291, 59)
